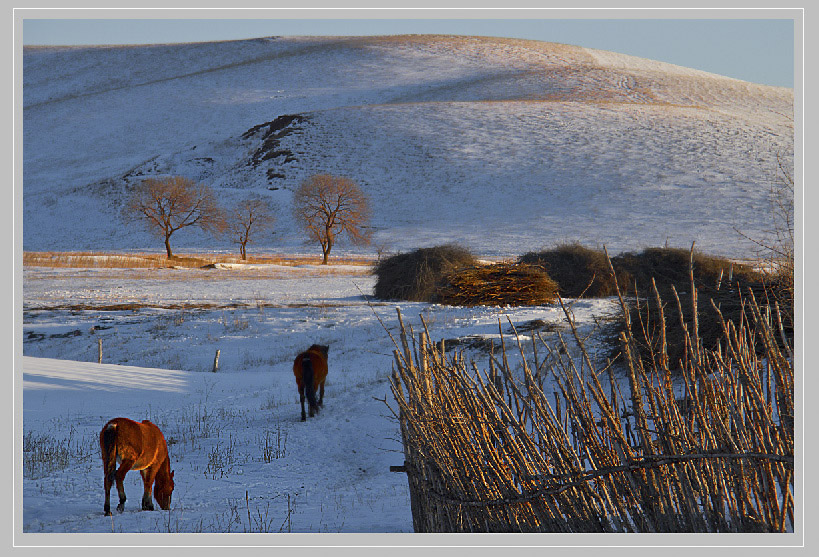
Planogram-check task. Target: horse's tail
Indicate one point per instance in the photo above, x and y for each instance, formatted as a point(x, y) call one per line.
point(108, 447)
point(308, 379)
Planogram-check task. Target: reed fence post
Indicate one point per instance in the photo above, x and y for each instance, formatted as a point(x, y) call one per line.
point(216, 362)
point(99, 347)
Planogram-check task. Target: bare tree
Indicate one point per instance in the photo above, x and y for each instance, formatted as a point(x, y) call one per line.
point(328, 206)
point(782, 200)
point(777, 247)
point(780, 248)
point(248, 219)
point(172, 203)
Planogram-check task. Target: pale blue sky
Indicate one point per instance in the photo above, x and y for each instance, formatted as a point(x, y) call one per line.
point(756, 50)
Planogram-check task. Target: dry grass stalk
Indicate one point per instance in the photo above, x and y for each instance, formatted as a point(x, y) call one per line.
point(486, 451)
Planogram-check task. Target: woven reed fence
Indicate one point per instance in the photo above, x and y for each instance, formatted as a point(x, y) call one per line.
point(492, 451)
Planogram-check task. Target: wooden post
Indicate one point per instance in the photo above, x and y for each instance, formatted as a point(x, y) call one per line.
point(99, 345)
point(216, 362)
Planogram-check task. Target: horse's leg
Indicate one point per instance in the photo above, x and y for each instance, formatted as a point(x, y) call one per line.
point(109, 463)
point(148, 476)
point(301, 397)
point(321, 394)
point(124, 466)
point(108, 482)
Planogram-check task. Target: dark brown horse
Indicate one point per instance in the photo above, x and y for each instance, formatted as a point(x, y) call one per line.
point(310, 369)
point(136, 446)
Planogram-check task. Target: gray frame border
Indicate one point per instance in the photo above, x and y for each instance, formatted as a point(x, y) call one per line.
point(345, 542)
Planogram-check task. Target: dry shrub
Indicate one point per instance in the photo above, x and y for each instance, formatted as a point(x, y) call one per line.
point(721, 286)
point(579, 270)
point(670, 267)
point(414, 276)
point(777, 248)
point(498, 284)
point(576, 269)
point(91, 260)
point(782, 290)
point(102, 260)
point(677, 313)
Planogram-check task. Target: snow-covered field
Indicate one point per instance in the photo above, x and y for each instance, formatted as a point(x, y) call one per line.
point(235, 433)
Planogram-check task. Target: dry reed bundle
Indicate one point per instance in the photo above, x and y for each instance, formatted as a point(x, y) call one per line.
point(488, 452)
point(499, 284)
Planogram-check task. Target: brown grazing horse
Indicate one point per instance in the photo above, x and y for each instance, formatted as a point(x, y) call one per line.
point(310, 369)
point(136, 446)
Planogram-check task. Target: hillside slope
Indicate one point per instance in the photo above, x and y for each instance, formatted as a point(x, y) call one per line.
point(504, 145)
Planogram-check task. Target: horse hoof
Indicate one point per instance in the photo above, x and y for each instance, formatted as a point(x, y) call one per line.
point(107, 513)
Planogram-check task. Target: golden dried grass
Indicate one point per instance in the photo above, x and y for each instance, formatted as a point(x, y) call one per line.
point(88, 259)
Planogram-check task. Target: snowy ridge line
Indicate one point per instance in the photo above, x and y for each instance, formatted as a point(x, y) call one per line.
point(239, 64)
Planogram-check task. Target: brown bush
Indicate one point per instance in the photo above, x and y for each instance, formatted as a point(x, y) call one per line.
point(709, 324)
point(576, 269)
point(716, 279)
point(414, 276)
point(498, 284)
point(670, 267)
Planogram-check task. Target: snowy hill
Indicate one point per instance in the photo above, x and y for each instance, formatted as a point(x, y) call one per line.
point(503, 145)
